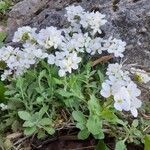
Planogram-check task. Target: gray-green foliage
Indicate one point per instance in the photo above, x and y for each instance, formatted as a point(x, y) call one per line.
point(2, 38)
point(37, 98)
point(5, 5)
point(37, 123)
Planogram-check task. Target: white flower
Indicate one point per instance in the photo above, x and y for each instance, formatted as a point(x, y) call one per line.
point(34, 51)
point(73, 28)
point(93, 20)
point(74, 13)
point(76, 42)
point(67, 61)
point(62, 72)
point(3, 106)
point(114, 46)
point(116, 85)
point(110, 87)
point(6, 52)
point(24, 33)
point(141, 75)
point(122, 88)
point(106, 90)
point(115, 72)
point(50, 37)
point(114, 69)
point(93, 46)
point(51, 59)
point(122, 100)
point(6, 74)
point(126, 99)
point(133, 90)
point(135, 104)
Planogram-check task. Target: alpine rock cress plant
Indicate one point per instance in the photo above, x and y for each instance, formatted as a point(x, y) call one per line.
point(52, 69)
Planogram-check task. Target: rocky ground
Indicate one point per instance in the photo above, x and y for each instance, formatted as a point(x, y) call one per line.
point(127, 19)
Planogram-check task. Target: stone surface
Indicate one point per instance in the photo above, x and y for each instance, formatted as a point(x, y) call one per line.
point(130, 21)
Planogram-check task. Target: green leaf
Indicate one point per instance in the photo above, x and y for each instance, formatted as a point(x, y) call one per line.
point(80, 126)
point(28, 124)
point(120, 145)
point(71, 102)
point(2, 36)
point(2, 63)
point(101, 146)
point(135, 123)
point(14, 104)
point(20, 82)
point(41, 75)
point(4, 5)
point(45, 121)
point(24, 115)
point(41, 134)
point(15, 126)
point(1, 143)
point(1, 45)
point(39, 100)
point(83, 134)
point(94, 106)
point(109, 115)
point(10, 92)
point(147, 142)
point(64, 93)
point(119, 121)
point(35, 118)
point(75, 88)
point(30, 130)
point(101, 76)
point(57, 81)
point(43, 110)
point(100, 135)
point(137, 132)
point(79, 116)
point(49, 130)
point(2, 91)
point(94, 125)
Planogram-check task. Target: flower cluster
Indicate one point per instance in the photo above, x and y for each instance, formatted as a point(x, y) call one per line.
point(65, 60)
point(88, 20)
point(25, 33)
point(65, 49)
point(49, 37)
point(19, 60)
point(124, 91)
point(60, 47)
point(115, 46)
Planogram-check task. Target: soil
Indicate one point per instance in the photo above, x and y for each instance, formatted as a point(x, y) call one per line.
point(67, 140)
point(90, 144)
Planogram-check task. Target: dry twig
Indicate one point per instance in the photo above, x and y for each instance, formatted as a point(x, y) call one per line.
point(14, 136)
point(21, 140)
point(146, 116)
point(102, 59)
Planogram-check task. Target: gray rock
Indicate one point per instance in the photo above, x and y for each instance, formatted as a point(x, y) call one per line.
point(130, 21)
point(22, 13)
